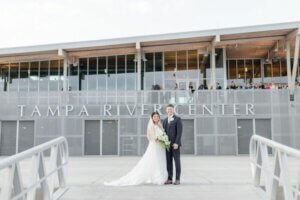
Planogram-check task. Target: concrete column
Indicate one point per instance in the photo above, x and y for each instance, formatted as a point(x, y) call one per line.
point(288, 63)
point(65, 75)
point(225, 67)
point(295, 64)
point(64, 54)
point(213, 67)
point(139, 65)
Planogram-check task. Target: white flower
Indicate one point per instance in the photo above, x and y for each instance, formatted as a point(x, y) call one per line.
point(164, 140)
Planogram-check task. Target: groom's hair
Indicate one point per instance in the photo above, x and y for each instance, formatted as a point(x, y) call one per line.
point(170, 105)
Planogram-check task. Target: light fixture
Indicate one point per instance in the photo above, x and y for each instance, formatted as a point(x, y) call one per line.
point(206, 52)
point(267, 60)
point(75, 62)
point(284, 48)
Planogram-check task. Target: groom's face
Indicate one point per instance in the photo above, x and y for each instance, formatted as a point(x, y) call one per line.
point(170, 111)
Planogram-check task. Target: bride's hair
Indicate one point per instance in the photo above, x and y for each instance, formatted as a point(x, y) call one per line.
point(154, 113)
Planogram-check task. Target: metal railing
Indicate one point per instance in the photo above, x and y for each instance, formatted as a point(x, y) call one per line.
point(271, 171)
point(147, 97)
point(14, 188)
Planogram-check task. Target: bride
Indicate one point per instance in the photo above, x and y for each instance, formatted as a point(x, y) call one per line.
point(151, 168)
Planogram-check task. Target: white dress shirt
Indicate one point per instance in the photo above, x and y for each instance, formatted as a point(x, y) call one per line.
point(169, 118)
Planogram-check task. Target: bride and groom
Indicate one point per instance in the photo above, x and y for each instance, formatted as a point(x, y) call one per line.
point(156, 165)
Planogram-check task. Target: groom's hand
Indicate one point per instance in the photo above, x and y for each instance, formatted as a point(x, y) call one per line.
point(175, 146)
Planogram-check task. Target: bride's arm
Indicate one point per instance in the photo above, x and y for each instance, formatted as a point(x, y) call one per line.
point(150, 134)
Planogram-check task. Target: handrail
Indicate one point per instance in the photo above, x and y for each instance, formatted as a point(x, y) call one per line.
point(15, 189)
point(274, 173)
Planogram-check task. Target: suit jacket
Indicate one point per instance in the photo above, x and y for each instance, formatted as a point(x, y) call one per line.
point(173, 129)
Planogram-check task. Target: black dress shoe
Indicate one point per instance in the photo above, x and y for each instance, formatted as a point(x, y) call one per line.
point(177, 182)
point(168, 182)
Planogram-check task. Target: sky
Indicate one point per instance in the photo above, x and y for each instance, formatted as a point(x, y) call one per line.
point(34, 22)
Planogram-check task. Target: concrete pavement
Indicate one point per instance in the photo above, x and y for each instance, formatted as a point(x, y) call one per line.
point(207, 178)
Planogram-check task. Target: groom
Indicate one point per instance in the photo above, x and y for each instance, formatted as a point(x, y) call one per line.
point(173, 127)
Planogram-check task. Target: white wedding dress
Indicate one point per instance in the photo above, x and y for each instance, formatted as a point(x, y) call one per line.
point(151, 168)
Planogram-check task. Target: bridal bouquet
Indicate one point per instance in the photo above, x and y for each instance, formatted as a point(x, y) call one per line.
point(164, 140)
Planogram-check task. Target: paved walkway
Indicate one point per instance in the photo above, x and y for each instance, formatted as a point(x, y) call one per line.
point(206, 178)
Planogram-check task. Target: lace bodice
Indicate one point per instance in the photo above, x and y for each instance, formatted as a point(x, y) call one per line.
point(158, 131)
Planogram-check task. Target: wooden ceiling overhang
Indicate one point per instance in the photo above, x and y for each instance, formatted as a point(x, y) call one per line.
point(244, 42)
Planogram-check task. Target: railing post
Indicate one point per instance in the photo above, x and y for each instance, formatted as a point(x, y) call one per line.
point(7, 188)
point(35, 165)
point(13, 189)
point(287, 186)
point(273, 177)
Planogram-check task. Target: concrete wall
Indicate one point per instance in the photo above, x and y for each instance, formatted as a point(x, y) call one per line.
point(215, 134)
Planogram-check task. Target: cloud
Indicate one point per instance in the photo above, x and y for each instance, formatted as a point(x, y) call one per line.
point(34, 22)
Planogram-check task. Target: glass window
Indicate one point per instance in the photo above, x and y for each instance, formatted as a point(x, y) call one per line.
point(232, 69)
point(14, 77)
point(131, 73)
point(92, 77)
point(193, 64)
point(170, 67)
point(283, 67)
point(3, 77)
point(61, 75)
point(158, 57)
point(102, 71)
point(276, 68)
point(53, 79)
point(202, 71)
point(292, 64)
point(257, 68)
point(249, 69)
point(171, 84)
point(44, 75)
point(73, 78)
point(121, 72)
point(34, 76)
point(83, 74)
point(24, 77)
point(111, 73)
point(241, 69)
point(298, 68)
point(267, 70)
point(142, 73)
point(181, 65)
point(149, 72)
point(170, 64)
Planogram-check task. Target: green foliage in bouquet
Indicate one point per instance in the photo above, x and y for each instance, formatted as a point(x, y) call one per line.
point(164, 141)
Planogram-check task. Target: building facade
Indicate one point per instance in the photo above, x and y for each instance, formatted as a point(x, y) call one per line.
point(226, 84)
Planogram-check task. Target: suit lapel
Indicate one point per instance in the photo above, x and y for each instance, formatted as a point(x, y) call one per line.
point(165, 122)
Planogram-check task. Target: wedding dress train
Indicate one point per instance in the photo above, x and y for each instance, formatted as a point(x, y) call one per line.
point(151, 168)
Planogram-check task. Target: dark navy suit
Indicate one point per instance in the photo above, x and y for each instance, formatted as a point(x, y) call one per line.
point(174, 132)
